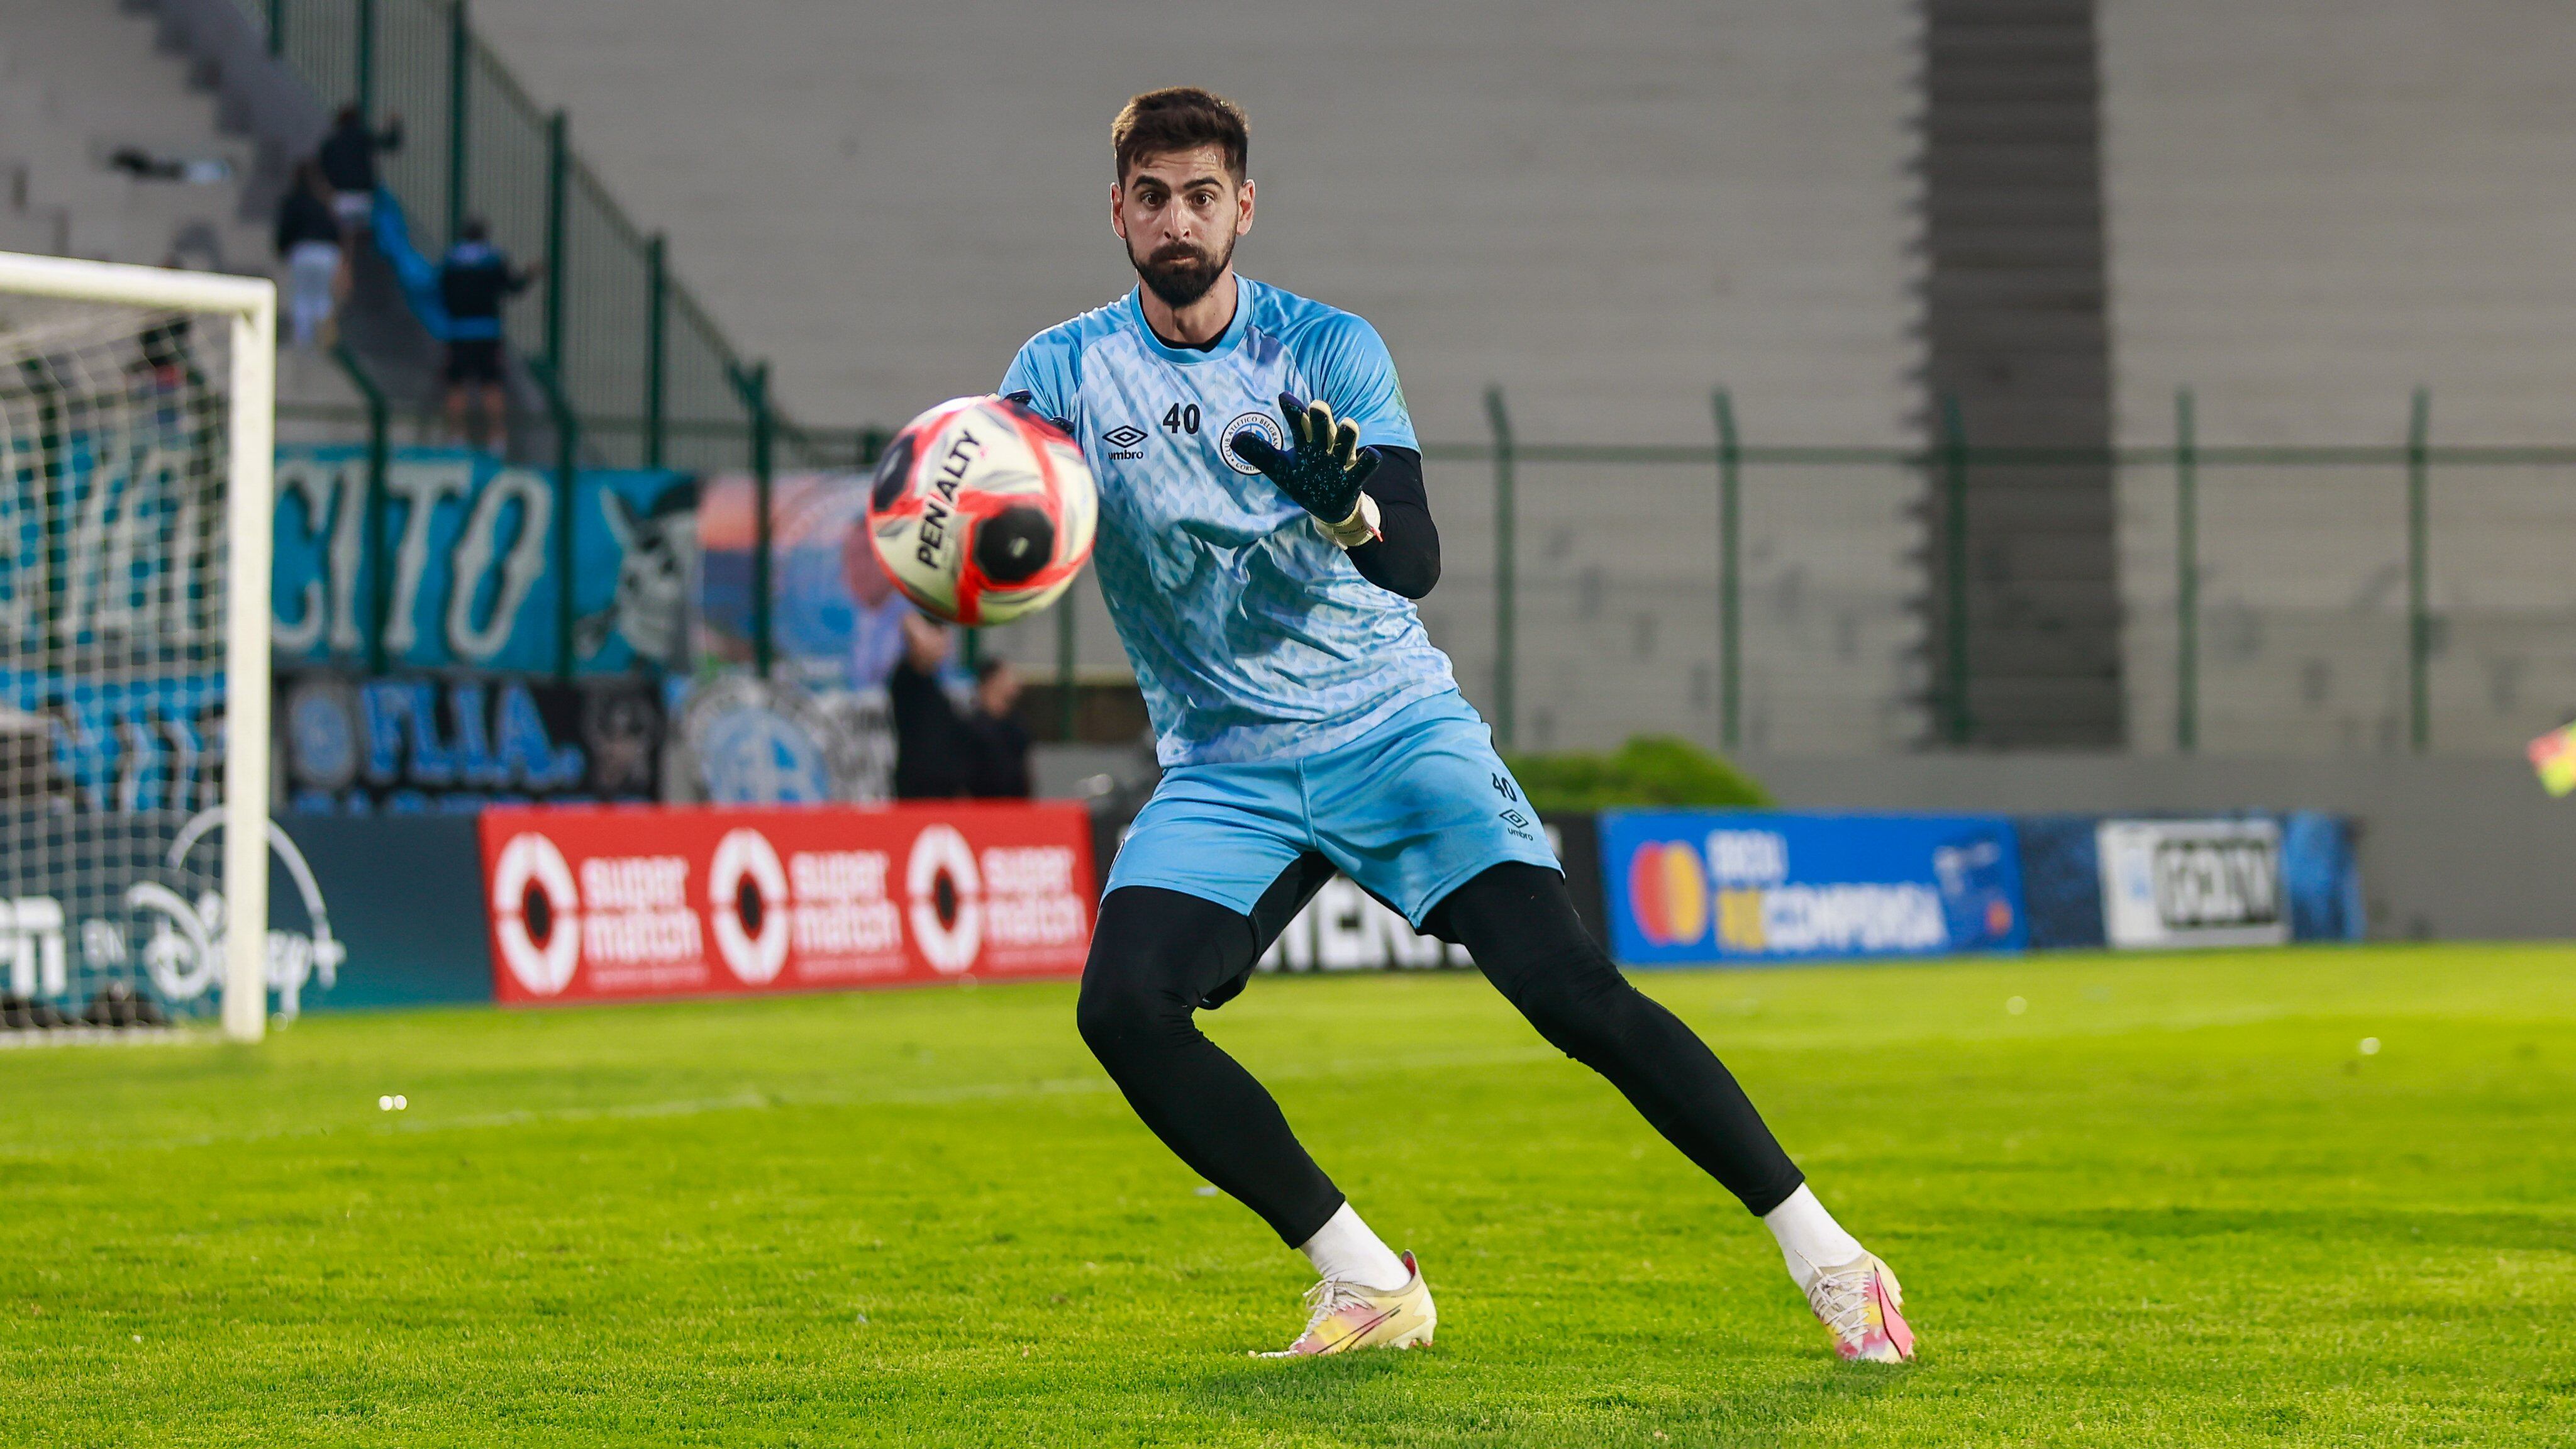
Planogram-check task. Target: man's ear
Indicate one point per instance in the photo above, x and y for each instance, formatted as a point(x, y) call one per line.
point(1243, 215)
point(1118, 208)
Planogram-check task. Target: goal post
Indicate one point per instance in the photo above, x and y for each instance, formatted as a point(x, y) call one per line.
point(248, 308)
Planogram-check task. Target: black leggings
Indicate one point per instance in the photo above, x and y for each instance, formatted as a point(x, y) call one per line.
point(1159, 955)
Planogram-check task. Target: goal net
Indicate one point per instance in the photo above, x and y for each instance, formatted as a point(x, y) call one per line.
point(135, 430)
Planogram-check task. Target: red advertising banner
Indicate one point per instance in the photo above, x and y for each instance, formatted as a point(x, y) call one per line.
point(618, 903)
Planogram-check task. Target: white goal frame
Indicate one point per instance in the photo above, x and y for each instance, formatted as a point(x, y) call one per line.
point(250, 305)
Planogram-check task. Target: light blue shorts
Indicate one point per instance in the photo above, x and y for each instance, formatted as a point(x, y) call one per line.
point(1411, 810)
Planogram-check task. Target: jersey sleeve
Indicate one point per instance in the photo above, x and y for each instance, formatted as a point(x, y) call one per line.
point(1049, 370)
point(1346, 362)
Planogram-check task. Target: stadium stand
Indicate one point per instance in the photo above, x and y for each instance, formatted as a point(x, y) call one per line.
point(2316, 208)
point(1694, 205)
point(78, 84)
point(85, 82)
point(2015, 314)
point(2304, 214)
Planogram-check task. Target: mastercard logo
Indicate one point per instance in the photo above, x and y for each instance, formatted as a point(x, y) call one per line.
point(1668, 892)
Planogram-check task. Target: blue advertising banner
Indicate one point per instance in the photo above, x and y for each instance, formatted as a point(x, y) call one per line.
point(469, 545)
point(2312, 866)
point(1713, 887)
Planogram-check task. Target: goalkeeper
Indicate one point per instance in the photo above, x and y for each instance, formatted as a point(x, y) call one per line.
point(1263, 533)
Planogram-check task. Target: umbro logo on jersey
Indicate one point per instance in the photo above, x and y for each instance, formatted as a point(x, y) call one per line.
point(1122, 441)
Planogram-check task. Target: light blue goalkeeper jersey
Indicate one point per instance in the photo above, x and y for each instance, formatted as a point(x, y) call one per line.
point(1253, 637)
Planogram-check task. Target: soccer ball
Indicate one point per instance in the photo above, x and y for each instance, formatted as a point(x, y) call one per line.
point(982, 511)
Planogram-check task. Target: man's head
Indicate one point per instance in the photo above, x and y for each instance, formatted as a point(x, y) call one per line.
point(473, 230)
point(1182, 196)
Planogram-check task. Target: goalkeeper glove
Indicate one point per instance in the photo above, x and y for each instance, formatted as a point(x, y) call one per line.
point(1324, 469)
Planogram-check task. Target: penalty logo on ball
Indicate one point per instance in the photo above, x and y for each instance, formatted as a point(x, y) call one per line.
point(982, 511)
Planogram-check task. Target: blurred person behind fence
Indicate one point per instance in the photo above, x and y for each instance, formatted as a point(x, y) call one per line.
point(308, 241)
point(348, 157)
point(933, 752)
point(473, 281)
point(998, 757)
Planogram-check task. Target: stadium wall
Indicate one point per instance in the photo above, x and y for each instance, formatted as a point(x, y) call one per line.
point(2451, 849)
point(2316, 207)
point(1608, 218)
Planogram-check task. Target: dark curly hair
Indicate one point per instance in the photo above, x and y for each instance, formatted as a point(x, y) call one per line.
point(1179, 118)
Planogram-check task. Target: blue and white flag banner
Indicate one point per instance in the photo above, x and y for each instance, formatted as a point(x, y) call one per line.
point(468, 544)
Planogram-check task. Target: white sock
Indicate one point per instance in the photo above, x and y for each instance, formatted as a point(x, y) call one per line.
point(1810, 1240)
point(1345, 1249)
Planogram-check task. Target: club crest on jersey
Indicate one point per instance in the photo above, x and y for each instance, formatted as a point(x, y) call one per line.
point(1261, 423)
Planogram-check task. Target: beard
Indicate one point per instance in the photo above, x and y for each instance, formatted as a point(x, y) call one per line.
point(1180, 274)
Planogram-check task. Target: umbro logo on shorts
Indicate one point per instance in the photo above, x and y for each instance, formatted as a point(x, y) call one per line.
point(1123, 439)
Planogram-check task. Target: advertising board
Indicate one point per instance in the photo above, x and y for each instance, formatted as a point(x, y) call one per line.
point(1344, 928)
point(2192, 882)
point(608, 903)
point(1710, 887)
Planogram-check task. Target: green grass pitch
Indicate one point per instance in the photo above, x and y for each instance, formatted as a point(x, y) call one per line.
point(2170, 1201)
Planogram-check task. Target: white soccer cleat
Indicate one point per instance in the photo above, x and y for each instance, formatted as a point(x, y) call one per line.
point(1344, 1316)
point(1859, 1303)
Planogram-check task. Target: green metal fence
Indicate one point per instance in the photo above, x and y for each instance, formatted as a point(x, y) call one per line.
point(2387, 597)
point(2373, 598)
point(636, 358)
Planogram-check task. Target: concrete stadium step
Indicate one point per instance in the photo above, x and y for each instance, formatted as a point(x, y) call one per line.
point(2016, 316)
point(81, 78)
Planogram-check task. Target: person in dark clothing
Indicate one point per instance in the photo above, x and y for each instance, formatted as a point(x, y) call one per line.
point(308, 241)
point(348, 158)
point(473, 281)
point(998, 766)
point(932, 753)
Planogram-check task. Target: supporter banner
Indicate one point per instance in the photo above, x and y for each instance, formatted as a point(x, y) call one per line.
point(819, 726)
point(469, 546)
point(121, 742)
point(609, 903)
point(2192, 882)
point(1687, 887)
point(747, 741)
point(835, 619)
point(356, 746)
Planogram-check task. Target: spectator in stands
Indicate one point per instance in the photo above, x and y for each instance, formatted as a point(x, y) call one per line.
point(348, 157)
point(933, 753)
point(473, 282)
point(998, 761)
point(308, 241)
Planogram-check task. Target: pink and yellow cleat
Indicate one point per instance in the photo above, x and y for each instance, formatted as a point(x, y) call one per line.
point(1859, 1303)
point(1346, 1316)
